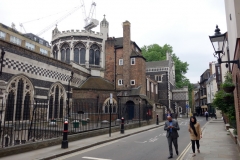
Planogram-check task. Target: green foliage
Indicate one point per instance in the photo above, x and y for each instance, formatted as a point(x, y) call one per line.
point(155, 52)
point(228, 80)
point(235, 132)
point(228, 84)
point(221, 103)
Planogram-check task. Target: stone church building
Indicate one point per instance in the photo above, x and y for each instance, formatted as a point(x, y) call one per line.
point(92, 64)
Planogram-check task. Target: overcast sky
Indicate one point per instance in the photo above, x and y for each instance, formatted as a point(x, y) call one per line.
point(183, 24)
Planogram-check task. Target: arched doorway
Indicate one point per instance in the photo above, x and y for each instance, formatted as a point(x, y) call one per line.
point(130, 109)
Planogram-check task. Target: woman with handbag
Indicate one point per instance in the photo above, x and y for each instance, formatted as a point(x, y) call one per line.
point(195, 133)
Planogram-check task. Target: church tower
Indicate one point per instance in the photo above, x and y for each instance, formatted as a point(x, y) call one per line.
point(104, 28)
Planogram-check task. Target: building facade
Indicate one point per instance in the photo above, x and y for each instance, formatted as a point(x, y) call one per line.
point(232, 9)
point(171, 98)
point(203, 92)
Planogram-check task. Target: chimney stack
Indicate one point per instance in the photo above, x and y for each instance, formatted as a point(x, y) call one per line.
point(126, 52)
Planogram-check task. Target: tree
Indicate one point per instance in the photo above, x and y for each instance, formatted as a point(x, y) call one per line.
point(155, 52)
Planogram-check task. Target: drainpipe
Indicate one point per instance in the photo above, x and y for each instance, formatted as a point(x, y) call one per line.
point(115, 74)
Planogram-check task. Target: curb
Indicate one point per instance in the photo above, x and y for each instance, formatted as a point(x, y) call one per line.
point(96, 144)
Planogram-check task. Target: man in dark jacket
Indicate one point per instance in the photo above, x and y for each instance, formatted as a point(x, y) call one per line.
point(171, 126)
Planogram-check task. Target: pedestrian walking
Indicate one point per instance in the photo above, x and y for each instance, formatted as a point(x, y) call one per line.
point(206, 115)
point(172, 127)
point(169, 114)
point(195, 134)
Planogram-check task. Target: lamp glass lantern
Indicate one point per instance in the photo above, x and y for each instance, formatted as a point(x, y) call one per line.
point(218, 42)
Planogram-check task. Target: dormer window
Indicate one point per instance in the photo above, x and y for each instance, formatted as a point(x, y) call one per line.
point(136, 49)
point(40, 41)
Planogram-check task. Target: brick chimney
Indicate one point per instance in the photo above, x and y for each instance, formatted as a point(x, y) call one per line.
point(126, 53)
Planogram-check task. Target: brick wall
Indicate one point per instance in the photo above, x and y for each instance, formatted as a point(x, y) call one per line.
point(110, 60)
point(236, 78)
point(138, 73)
point(119, 68)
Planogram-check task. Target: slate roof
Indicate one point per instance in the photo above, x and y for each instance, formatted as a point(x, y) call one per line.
point(155, 64)
point(98, 83)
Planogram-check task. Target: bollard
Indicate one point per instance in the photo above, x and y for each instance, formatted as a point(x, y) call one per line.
point(157, 120)
point(122, 126)
point(65, 134)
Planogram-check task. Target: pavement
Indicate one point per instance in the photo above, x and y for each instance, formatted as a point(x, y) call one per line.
point(57, 151)
point(216, 144)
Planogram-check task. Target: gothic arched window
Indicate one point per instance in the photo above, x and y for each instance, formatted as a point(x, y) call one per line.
point(19, 98)
point(79, 53)
point(56, 102)
point(65, 53)
point(106, 106)
point(55, 52)
point(94, 55)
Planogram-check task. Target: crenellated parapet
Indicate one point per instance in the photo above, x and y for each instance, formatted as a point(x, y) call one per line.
point(77, 33)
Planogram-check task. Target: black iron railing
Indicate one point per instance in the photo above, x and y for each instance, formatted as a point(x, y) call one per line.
point(44, 119)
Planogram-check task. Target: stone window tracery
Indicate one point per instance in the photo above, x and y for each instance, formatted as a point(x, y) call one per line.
point(94, 55)
point(19, 99)
point(65, 53)
point(79, 53)
point(55, 52)
point(57, 97)
point(106, 106)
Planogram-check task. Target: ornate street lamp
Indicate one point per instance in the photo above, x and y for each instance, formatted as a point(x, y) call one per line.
point(218, 41)
point(1, 60)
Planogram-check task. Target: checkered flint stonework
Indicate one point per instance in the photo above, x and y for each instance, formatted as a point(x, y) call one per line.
point(20, 66)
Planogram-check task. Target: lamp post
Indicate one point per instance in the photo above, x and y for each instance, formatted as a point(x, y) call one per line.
point(110, 113)
point(69, 92)
point(1, 60)
point(167, 91)
point(218, 42)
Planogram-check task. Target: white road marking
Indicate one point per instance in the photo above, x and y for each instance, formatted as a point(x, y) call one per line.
point(95, 158)
point(163, 134)
point(140, 142)
point(153, 139)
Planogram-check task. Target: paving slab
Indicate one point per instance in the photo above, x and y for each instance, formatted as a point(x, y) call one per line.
point(216, 144)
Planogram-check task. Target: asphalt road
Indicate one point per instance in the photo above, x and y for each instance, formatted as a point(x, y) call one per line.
point(149, 145)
